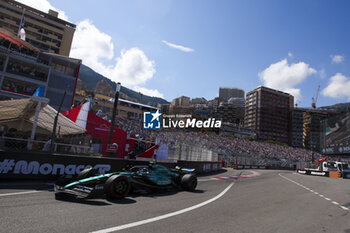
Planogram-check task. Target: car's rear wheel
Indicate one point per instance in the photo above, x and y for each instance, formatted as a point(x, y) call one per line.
point(189, 182)
point(117, 187)
point(86, 173)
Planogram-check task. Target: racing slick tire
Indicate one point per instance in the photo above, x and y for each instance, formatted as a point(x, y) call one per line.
point(189, 182)
point(86, 173)
point(117, 187)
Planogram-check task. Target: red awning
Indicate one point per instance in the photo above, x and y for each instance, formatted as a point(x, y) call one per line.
point(97, 127)
point(15, 40)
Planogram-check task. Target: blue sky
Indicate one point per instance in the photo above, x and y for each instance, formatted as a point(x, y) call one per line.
point(192, 47)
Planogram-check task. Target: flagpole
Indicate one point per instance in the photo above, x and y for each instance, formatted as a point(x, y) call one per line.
point(111, 129)
point(21, 24)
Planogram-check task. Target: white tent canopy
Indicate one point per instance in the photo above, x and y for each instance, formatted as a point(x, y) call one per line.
point(20, 114)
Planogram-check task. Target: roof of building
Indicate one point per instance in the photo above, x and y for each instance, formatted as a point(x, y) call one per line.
point(125, 101)
point(51, 15)
point(268, 89)
point(231, 88)
point(20, 114)
point(62, 57)
point(15, 40)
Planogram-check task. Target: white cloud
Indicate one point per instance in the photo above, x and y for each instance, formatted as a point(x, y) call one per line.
point(290, 54)
point(132, 68)
point(285, 77)
point(91, 45)
point(96, 49)
point(337, 58)
point(45, 6)
point(179, 47)
point(149, 92)
point(294, 92)
point(338, 87)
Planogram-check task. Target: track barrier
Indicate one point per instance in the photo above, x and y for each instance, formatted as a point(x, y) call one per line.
point(45, 166)
point(331, 174)
point(313, 172)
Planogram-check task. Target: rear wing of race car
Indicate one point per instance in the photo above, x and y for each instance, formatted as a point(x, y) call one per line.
point(185, 170)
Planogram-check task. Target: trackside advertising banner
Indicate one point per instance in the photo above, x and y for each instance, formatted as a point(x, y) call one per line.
point(49, 167)
point(313, 173)
point(29, 165)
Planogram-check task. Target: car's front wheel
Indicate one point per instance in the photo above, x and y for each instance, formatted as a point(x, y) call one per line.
point(117, 187)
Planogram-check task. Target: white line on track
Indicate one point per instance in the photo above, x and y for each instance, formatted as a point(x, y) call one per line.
point(142, 222)
point(314, 192)
point(20, 193)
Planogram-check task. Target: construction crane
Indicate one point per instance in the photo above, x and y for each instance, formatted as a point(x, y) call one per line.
point(314, 100)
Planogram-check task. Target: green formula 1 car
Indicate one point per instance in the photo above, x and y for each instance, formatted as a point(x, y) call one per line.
point(117, 185)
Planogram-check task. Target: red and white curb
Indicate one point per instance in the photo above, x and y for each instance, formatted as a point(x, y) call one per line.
point(254, 174)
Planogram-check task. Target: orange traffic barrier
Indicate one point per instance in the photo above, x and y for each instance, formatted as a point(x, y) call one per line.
point(334, 174)
point(235, 166)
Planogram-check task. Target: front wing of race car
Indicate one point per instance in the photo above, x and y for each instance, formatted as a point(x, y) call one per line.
point(89, 187)
point(81, 190)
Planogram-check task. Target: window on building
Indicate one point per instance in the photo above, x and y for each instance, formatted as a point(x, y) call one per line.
point(28, 70)
point(2, 62)
point(59, 66)
point(61, 82)
point(18, 86)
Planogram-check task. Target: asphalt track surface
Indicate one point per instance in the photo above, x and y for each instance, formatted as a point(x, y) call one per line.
point(274, 201)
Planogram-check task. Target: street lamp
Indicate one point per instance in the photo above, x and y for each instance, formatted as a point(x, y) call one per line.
point(111, 129)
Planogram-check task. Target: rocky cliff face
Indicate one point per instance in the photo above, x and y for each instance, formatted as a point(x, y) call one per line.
point(91, 78)
point(103, 88)
point(81, 85)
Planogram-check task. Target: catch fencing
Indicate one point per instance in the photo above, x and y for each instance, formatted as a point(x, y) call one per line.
point(14, 144)
point(191, 153)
